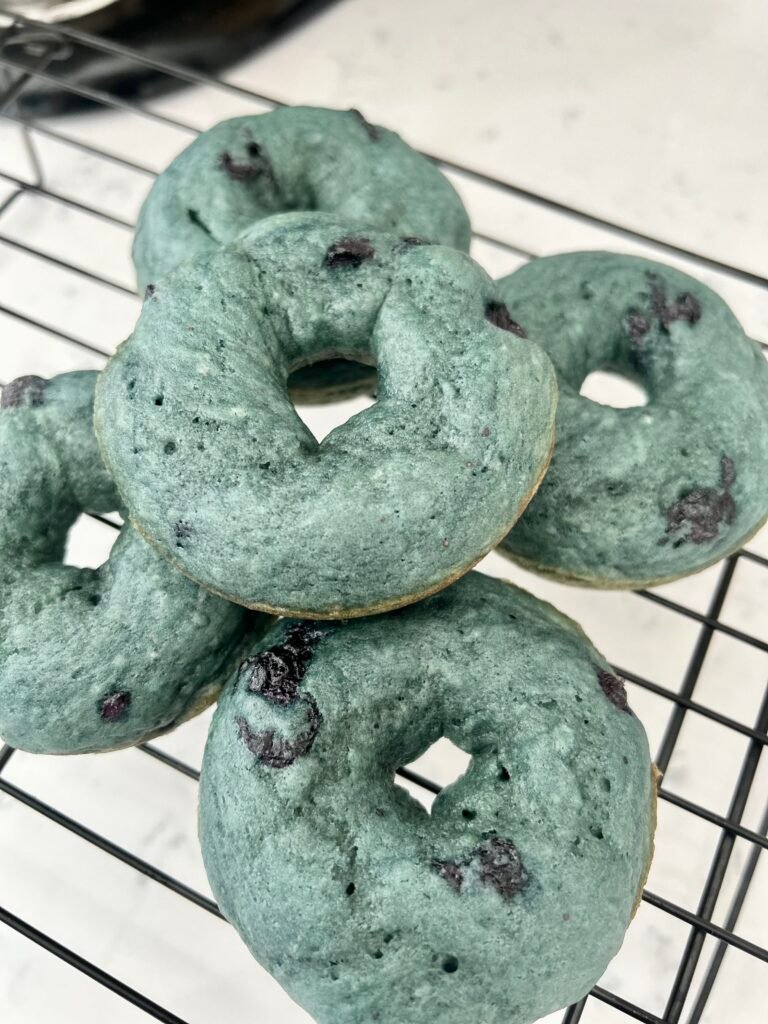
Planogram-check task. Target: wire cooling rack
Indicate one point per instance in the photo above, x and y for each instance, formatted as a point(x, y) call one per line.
point(29, 55)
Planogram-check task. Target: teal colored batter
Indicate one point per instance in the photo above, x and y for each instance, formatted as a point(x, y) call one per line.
point(509, 900)
point(221, 475)
point(295, 158)
point(90, 659)
point(639, 496)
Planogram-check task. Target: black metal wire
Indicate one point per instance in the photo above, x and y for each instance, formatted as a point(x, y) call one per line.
point(73, 268)
point(6, 753)
point(70, 339)
point(43, 68)
point(705, 620)
point(627, 1008)
point(177, 71)
point(170, 761)
point(716, 876)
point(102, 843)
point(696, 664)
point(87, 968)
point(731, 921)
point(574, 1013)
point(691, 705)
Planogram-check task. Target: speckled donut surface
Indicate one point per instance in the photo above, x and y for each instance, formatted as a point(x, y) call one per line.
point(642, 495)
point(504, 904)
point(90, 659)
point(295, 158)
point(222, 476)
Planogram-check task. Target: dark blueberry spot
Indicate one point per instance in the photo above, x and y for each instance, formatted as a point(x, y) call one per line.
point(194, 217)
point(350, 890)
point(498, 314)
point(468, 814)
point(159, 400)
point(372, 131)
point(276, 752)
point(660, 313)
point(450, 965)
point(485, 432)
point(451, 871)
point(702, 510)
point(658, 294)
point(496, 862)
point(637, 326)
point(27, 391)
point(377, 954)
point(727, 472)
point(504, 775)
point(169, 447)
point(413, 240)
point(275, 675)
point(613, 688)
point(501, 867)
point(149, 291)
point(596, 831)
point(94, 599)
point(685, 307)
point(349, 252)
point(256, 166)
point(114, 707)
point(182, 531)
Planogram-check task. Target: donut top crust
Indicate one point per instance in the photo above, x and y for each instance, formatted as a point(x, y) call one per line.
point(506, 902)
point(642, 495)
point(89, 659)
point(294, 158)
point(197, 427)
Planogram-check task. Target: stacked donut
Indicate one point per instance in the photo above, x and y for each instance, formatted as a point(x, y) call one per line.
point(309, 253)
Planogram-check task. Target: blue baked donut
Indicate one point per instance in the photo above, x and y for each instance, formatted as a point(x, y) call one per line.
point(90, 659)
point(636, 497)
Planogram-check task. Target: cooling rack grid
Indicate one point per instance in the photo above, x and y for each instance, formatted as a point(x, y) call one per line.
point(75, 302)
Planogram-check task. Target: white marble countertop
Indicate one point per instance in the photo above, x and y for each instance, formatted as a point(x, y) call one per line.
point(650, 117)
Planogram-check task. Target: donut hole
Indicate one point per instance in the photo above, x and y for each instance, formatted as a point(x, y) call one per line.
point(337, 373)
point(443, 763)
point(606, 387)
point(322, 419)
point(90, 541)
point(450, 964)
